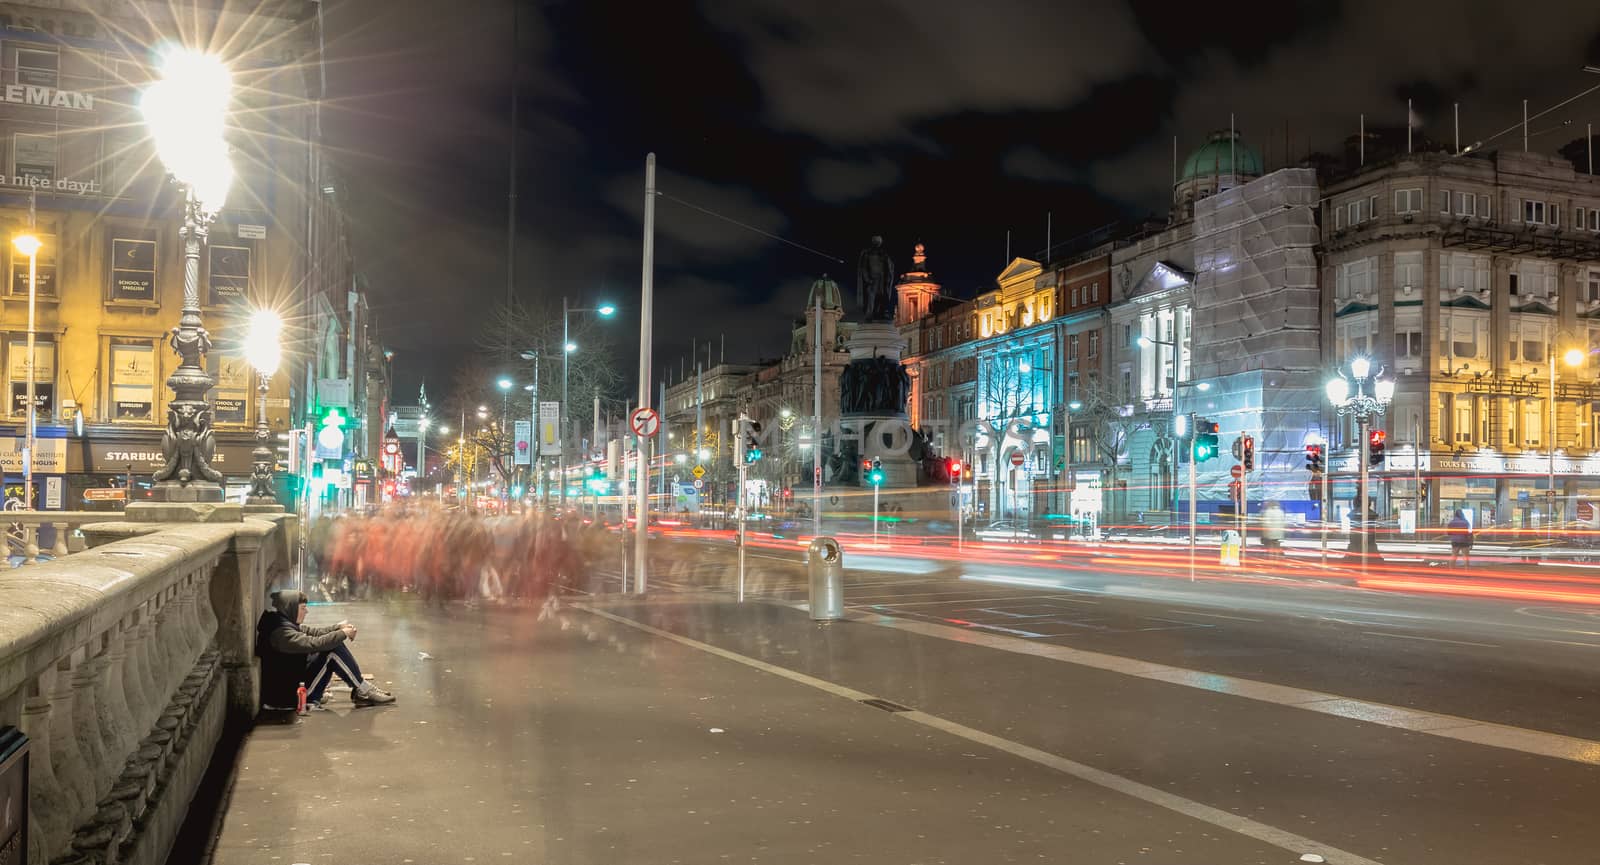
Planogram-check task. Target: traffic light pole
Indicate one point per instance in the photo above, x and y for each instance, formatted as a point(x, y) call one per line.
point(1193, 513)
point(1361, 504)
point(743, 471)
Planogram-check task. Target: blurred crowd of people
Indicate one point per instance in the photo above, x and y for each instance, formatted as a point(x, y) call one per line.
point(445, 554)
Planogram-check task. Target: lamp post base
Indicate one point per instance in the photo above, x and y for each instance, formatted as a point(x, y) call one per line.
point(183, 512)
point(194, 491)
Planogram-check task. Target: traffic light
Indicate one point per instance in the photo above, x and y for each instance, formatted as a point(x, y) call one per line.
point(1238, 448)
point(752, 446)
point(875, 474)
point(1249, 452)
point(1205, 440)
point(952, 469)
point(1375, 441)
point(1314, 462)
point(330, 432)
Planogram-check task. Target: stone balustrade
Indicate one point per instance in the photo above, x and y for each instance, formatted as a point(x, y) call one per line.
point(123, 664)
point(64, 538)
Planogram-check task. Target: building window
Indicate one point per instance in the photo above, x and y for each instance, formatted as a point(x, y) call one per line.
point(1578, 220)
point(1555, 214)
point(1594, 219)
point(1533, 212)
point(44, 376)
point(1594, 285)
point(1127, 386)
point(1466, 204)
point(1407, 270)
point(1485, 210)
point(1072, 348)
point(33, 159)
point(1094, 292)
point(1094, 344)
point(230, 274)
point(133, 379)
point(231, 399)
point(133, 267)
point(1408, 343)
point(1444, 201)
point(1075, 297)
point(45, 270)
point(1407, 200)
point(1463, 424)
point(40, 68)
point(1515, 284)
point(1127, 336)
point(1338, 218)
point(1532, 422)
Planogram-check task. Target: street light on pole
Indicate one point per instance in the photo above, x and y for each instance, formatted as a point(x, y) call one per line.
point(1371, 397)
point(29, 245)
point(263, 350)
point(186, 111)
point(1573, 357)
point(604, 310)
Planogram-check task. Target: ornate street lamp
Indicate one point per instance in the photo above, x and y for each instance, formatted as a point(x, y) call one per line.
point(261, 348)
point(185, 110)
point(1371, 397)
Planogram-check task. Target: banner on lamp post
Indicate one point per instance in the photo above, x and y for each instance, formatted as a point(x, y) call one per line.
point(550, 429)
point(522, 454)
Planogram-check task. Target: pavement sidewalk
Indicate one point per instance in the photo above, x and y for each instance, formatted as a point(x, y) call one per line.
point(578, 740)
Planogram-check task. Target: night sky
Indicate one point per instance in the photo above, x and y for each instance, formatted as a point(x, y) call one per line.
point(945, 121)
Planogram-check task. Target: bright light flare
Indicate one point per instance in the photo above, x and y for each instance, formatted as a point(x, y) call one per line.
point(1338, 391)
point(1360, 366)
point(186, 111)
point(1384, 390)
point(27, 244)
point(1575, 357)
point(263, 341)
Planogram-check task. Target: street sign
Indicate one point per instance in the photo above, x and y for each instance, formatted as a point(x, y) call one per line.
point(104, 495)
point(698, 472)
point(644, 422)
point(1237, 471)
point(1017, 458)
point(699, 484)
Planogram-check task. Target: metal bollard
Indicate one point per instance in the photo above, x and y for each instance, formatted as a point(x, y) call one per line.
point(825, 561)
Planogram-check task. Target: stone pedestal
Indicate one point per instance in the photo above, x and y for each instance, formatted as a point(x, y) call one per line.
point(873, 411)
point(254, 509)
point(183, 512)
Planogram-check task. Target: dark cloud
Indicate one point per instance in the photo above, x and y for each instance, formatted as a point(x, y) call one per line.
point(837, 181)
point(702, 233)
point(873, 69)
point(1030, 163)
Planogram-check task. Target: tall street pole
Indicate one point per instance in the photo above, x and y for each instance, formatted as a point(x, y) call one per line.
point(33, 412)
point(1362, 419)
point(561, 415)
point(1550, 435)
point(641, 528)
point(816, 425)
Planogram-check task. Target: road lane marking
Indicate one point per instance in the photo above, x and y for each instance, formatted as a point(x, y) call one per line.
point(1215, 615)
point(1280, 838)
point(1536, 742)
point(1429, 639)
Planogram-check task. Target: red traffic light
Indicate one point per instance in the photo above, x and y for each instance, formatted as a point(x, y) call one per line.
point(1313, 450)
point(1377, 436)
point(955, 467)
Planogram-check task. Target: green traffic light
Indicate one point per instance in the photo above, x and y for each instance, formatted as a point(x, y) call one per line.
point(875, 477)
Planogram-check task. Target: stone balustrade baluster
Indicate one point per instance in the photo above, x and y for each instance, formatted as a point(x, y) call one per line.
point(30, 544)
point(100, 763)
point(71, 767)
point(121, 711)
point(173, 634)
point(52, 805)
point(58, 549)
point(148, 659)
point(161, 655)
point(194, 641)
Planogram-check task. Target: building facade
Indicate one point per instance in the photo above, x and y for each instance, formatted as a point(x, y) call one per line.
point(78, 170)
point(1470, 279)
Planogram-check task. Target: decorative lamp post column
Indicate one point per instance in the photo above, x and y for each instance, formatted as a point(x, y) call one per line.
point(185, 111)
point(29, 245)
point(262, 350)
point(1371, 397)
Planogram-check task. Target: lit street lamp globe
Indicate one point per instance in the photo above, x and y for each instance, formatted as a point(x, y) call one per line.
point(262, 341)
point(27, 244)
point(186, 110)
point(1338, 391)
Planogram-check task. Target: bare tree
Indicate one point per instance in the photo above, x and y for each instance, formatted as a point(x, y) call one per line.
point(1110, 427)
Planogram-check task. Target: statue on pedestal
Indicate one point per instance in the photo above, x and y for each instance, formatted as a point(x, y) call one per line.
point(875, 283)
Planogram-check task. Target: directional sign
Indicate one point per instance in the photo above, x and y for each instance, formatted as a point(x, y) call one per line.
point(644, 422)
point(698, 472)
point(1237, 471)
point(1017, 458)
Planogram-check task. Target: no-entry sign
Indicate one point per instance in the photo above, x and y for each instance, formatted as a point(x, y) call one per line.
point(1016, 458)
point(645, 422)
point(1237, 471)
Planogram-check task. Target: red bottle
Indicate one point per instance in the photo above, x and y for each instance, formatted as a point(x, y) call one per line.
point(300, 699)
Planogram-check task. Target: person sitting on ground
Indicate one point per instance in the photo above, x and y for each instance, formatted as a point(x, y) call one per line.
point(292, 653)
point(1460, 539)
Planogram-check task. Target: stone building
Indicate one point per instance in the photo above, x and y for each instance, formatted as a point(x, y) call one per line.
point(1469, 279)
point(76, 165)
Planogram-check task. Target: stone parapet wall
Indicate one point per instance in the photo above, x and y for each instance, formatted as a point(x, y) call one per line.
point(123, 664)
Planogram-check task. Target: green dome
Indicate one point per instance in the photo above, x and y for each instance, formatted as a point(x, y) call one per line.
point(1224, 153)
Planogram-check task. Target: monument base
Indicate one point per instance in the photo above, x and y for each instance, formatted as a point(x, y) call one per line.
point(183, 512)
point(198, 491)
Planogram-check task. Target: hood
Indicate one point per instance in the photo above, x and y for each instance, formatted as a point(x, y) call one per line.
point(287, 602)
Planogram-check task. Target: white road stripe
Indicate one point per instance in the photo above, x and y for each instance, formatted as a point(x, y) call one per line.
point(1280, 838)
point(1214, 615)
point(1429, 639)
point(1538, 742)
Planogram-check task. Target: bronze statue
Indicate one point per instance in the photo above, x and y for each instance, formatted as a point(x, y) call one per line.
point(875, 283)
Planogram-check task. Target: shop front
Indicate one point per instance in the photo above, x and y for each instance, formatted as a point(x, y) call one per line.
point(103, 466)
